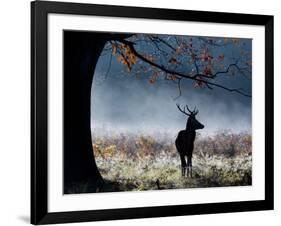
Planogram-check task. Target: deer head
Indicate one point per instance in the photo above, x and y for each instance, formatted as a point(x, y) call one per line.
point(192, 123)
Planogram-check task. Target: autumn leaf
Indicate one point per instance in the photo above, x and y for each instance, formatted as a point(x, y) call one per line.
point(209, 58)
point(120, 59)
point(172, 77)
point(207, 71)
point(126, 57)
point(221, 57)
point(173, 60)
point(114, 49)
point(193, 56)
point(198, 84)
point(152, 80)
point(178, 50)
point(205, 56)
point(202, 56)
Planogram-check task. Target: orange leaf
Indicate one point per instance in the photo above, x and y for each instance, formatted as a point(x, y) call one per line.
point(173, 60)
point(114, 48)
point(203, 56)
point(221, 57)
point(193, 56)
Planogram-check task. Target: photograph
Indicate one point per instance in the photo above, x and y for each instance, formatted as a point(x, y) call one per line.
point(127, 113)
point(140, 112)
point(158, 111)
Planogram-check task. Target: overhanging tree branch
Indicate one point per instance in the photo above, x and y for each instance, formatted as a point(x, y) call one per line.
point(193, 77)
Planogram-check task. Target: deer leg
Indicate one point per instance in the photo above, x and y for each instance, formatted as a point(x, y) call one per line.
point(187, 168)
point(183, 165)
point(189, 165)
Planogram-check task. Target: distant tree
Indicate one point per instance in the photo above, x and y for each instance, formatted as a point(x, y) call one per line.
point(167, 57)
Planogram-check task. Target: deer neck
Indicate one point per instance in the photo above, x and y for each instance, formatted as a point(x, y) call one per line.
point(189, 128)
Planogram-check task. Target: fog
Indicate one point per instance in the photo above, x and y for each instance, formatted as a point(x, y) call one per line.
point(133, 105)
point(125, 102)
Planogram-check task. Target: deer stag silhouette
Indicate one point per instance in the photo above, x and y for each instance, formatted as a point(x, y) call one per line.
point(185, 140)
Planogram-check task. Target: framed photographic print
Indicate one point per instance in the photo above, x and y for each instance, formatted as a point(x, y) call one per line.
point(144, 112)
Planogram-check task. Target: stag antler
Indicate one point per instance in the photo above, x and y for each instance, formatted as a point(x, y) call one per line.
point(194, 112)
point(191, 112)
point(183, 111)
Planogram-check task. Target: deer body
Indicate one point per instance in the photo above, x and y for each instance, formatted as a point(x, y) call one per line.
point(185, 140)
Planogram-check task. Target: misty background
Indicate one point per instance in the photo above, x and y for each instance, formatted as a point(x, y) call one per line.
point(124, 102)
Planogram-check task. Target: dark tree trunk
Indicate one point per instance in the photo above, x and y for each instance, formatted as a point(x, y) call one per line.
point(81, 53)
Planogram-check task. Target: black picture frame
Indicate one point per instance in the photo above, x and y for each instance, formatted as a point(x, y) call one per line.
point(39, 112)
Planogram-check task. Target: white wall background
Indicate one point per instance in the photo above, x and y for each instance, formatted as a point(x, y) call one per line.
point(15, 113)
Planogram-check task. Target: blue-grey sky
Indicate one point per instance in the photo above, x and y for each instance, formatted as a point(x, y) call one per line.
point(126, 101)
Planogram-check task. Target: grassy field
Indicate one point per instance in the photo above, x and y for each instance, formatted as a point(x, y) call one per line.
point(134, 163)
